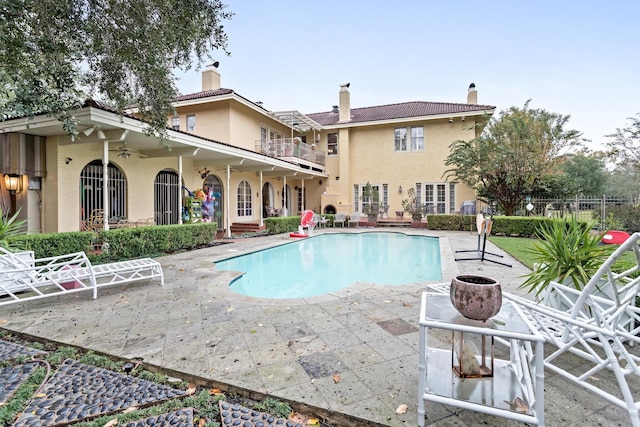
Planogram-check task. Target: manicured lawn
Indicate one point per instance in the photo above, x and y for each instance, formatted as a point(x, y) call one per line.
point(517, 247)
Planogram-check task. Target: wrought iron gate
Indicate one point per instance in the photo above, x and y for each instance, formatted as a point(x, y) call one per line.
point(91, 192)
point(166, 191)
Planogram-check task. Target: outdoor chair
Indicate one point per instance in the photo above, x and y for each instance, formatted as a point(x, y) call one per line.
point(24, 278)
point(339, 219)
point(320, 220)
point(600, 324)
point(354, 218)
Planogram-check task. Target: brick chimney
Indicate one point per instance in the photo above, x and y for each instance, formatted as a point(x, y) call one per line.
point(472, 95)
point(345, 103)
point(211, 78)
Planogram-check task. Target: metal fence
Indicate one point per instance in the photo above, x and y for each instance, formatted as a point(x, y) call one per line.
point(584, 208)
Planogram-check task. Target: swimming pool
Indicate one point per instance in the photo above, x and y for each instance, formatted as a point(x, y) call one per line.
point(328, 262)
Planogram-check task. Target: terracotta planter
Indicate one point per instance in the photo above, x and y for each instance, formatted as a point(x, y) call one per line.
point(476, 297)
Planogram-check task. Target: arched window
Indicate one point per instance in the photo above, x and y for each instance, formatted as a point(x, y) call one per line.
point(92, 196)
point(166, 193)
point(213, 182)
point(245, 200)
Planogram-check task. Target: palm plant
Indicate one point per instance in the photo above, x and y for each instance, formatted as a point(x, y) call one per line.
point(10, 227)
point(568, 252)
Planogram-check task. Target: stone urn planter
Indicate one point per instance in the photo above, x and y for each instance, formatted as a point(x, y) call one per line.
point(476, 297)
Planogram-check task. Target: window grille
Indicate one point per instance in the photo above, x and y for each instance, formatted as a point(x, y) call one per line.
point(91, 191)
point(166, 192)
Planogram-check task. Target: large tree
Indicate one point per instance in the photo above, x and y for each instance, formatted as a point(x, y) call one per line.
point(624, 144)
point(57, 53)
point(625, 182)
point(513, 154)
point(586, 175)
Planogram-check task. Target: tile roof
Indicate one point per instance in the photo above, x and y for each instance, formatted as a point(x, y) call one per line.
point(403, 110)
point(204, 94)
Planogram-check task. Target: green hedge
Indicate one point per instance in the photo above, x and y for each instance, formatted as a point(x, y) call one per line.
point(287, 224)
point(122, 243)
point(53, 244)
point(520, 226)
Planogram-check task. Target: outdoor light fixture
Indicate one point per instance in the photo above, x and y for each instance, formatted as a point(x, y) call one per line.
point(204, 172)
point(13, 183)
point(68, 160)
point(451, 120)
point(89, 131)
point(400, 189)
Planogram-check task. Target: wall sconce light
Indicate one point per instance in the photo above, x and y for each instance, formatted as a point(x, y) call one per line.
point(337, 178)
point(320, 182)
point(68, 160)
point(296, 187)
point(400, 189)
point(451, 120)
point(204, 172)
point(463, 118)
point(13, 183)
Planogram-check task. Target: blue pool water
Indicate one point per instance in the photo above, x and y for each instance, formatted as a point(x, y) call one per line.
point(328, 262)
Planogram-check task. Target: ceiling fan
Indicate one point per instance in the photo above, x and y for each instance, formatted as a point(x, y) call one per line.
point(124, 151)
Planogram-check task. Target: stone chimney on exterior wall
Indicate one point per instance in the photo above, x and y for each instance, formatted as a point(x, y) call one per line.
point(211, 78)
point(345, 103)
point(472, 95)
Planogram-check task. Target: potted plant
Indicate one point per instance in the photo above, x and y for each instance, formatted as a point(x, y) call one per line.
point(568, 252)
point(11, 227)
point(371, 199)
point(412, 205)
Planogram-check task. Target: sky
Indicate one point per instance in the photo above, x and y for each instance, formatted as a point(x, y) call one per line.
point(571, 57)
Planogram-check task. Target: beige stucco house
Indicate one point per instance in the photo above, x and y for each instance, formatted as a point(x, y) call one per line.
point(257, 162)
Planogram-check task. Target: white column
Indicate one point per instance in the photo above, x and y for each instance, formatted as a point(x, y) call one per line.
point(179, 189)
point(227, 203)
point(105, 185)
point(261, 204)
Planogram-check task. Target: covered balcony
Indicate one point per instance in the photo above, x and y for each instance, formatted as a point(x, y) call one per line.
point(292, 150)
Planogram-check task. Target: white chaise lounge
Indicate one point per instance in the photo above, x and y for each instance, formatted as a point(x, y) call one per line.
point(600, 325)
point(24, 278)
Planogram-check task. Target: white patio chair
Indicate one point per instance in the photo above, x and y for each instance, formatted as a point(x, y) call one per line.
point(600, 324)
point(26, 278)
point(340, 218)
point(354, 218)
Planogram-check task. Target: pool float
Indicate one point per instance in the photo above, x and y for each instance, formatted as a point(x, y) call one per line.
point(615, 237)
point(296, 234)
point(306, 221)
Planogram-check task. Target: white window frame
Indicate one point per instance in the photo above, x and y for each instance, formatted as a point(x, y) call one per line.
point(330, 144)
point(417, 138)
point(408, 139)
point(400, 140)
point(441, 196)
point(191, 122)
point(244, 200)
point(359, 201)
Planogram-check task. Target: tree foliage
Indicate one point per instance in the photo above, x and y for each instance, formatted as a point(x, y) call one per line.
point(624, 181)
point(513, 154)
point(624, 144)
point(57, 53)
point(586, 175)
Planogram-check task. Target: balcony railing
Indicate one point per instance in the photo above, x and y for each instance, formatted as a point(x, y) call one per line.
point(286, 147)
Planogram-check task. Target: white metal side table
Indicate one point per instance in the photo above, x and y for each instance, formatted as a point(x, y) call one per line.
point(521, 377)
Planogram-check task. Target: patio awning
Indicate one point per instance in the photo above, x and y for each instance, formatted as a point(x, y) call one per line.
point(291, 118)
